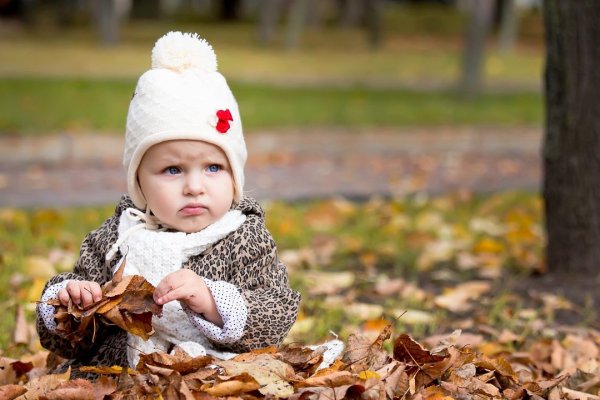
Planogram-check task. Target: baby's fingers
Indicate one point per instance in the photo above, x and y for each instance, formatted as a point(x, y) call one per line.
point(179, 293)
point(63, 296)
point(90, 293)
point(83, 293)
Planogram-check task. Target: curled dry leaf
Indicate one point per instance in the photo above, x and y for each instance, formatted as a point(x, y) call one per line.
point(78, 389)
point(232, 386)
point(10, 392)
point(180, 362)
point(361, 354)
point(407, 350)
point(127, 301)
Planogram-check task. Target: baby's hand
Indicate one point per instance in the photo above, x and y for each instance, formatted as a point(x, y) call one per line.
point(187, 287)
point(82, 293)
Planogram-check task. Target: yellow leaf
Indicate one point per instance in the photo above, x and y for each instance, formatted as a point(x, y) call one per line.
point(377, 324)
point(488, 245)
point(38, 267)
point(34, 293)
point(364, 375)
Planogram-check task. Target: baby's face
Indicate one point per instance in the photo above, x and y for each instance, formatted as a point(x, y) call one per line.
point(187, 183)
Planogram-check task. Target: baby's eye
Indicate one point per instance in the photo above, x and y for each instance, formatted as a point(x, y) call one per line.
point(172, 170)
point(214, 168)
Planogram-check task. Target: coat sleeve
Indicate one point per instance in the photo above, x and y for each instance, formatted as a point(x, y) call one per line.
point(262, 279)
point(90, 267)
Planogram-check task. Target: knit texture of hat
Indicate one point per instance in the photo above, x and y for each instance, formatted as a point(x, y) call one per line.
point(183, 96)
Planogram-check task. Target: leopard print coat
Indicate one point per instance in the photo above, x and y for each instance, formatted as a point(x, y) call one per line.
point(246, 258)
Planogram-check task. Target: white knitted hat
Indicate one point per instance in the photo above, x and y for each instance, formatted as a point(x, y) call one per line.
point(183, 96)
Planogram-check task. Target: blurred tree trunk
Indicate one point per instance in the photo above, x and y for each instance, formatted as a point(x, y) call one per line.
point(296, 22)
point(373, 19)
point(571, 150)
point(479, 21)
point(229, 10)
point(147, 9)
point(350, 12)
point(107, 22)
point(269, 14)
point(508, 26)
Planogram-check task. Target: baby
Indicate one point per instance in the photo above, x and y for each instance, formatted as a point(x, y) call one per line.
point(185, 225)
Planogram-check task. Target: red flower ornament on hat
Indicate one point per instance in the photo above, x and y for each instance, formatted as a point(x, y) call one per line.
point(224, 116)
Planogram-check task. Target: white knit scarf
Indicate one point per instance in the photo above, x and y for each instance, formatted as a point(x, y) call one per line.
point(155, 253)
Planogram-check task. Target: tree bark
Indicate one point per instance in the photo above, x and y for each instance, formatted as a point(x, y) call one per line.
point(571, 149)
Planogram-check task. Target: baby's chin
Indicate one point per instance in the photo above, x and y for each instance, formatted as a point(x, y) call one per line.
point(191, 225)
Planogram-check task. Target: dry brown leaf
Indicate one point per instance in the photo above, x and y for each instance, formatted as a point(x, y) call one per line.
point(180, 362)
point(499, 365)
point(395, 379)
point(12, 370)
point(301, 358)
point(362, 354)
point(7, 374)
point(326, 393)
point(21, 331)
point(251, 355)
point(104, 386)
point(40, 386)
point(436, 393)
point(197, 379)
point(126, 302)
point(271, 373)
point(577, 395)
point(232, 386)
point(10, 392)
point(78, 389)
point(407, 350)
point(333, 379)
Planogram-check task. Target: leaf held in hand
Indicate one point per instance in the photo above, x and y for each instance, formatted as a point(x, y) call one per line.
point(127, 301)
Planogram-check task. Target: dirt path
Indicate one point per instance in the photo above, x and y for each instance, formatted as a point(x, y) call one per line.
point(65, 170)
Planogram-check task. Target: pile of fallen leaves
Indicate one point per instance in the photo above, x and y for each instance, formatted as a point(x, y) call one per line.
point(552, 369)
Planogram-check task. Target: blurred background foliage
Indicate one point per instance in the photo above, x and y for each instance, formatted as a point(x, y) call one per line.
point(63, 70)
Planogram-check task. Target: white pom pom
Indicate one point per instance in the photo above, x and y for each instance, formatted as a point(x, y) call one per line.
point(180, 51)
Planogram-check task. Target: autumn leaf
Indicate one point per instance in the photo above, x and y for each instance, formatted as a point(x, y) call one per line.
point(180, 362)
point(10, 392)
point(362, 354)
point(407, 350)
point(78, 389)
point(232, 386)
point(301, 358)
point(127, 301)
point(271, 373)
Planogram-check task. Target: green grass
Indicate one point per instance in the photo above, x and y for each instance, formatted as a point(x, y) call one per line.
point(44, 105)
